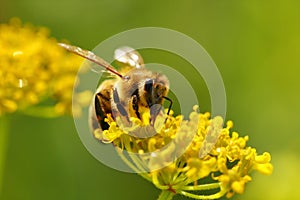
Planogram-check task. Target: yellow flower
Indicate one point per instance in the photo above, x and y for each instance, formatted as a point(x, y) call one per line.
point(34, 69)
point(215, 157)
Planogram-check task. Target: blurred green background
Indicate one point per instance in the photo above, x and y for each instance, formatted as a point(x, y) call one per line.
point(255, 45)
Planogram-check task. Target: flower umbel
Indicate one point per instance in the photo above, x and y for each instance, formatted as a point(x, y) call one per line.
point(36, 78)
point(203, 169)
point(35, 69)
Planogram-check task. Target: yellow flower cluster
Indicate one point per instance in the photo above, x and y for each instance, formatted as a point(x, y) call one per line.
point(34, 69)
point(184, 153)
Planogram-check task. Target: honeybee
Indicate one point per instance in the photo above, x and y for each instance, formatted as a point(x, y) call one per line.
point(129, 94)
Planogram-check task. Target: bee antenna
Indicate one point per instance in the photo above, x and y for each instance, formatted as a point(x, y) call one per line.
point(91, 57)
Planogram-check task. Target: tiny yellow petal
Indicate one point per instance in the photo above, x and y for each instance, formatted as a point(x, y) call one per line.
point(238, 187)
point(264, 158)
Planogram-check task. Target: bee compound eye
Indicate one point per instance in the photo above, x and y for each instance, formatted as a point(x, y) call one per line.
point(148, 85)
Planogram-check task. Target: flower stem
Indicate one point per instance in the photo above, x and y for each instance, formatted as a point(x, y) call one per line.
point(129, 164)
point(166, 195)
point(208, 186)
point(156, 182)
point(4, 128)
point(212, 196)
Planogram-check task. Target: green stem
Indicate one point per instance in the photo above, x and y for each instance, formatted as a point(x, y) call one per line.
point(129, 164)
point(4, 129)
point(126, 161)
point(208, 186)
point(157, 183)
point(134, 158)
point(166, 195)
point(211, 196)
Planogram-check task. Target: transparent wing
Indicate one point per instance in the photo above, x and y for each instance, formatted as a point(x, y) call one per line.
point(129, 57)
point(91, 57)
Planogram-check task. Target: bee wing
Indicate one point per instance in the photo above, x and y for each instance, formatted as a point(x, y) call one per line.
point(129, 57)
point(91, 57)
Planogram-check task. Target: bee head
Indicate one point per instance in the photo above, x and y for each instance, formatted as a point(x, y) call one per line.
point(155, 89)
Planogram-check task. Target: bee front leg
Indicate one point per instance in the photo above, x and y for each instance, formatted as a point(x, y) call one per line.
point(154, 111)
point(135, 106)
point(120, 108)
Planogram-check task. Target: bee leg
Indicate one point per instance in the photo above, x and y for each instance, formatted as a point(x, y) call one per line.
point(135, 106)
point(171, 103)
point(154, 111)
point(121, 109)
point(170, 106)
